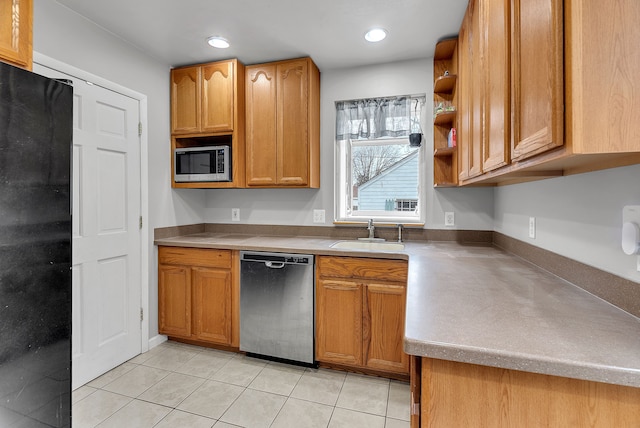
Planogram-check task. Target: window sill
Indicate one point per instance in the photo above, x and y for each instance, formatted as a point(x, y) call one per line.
point(381, 223)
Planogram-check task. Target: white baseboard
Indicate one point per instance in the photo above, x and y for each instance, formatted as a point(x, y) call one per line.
point(157, 340)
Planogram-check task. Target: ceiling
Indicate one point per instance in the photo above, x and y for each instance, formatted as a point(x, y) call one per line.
point(329, 31)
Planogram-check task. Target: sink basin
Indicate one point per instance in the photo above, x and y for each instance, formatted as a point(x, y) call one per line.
point(369, 245)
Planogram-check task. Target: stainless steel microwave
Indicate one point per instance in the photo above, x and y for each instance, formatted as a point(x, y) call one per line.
point(202, 164)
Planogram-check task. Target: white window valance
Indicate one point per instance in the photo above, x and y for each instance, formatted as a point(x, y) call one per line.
point(376, 118)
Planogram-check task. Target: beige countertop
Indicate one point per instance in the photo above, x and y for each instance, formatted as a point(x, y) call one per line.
point(480, 305)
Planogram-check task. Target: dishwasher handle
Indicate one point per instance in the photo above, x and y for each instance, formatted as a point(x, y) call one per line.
point(274, 265)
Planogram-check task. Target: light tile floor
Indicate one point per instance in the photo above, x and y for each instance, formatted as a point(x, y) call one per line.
point(176, 385)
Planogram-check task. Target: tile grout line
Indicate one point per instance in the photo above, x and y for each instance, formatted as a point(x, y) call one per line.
point(195, 351)
point(239, 395)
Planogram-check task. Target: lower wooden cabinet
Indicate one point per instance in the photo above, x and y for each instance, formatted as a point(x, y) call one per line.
point(339, 321)
point(383, 320)
point(197, 295)
point(457, 394)
point(213, 297)
point(174, 300)
point(360, 307)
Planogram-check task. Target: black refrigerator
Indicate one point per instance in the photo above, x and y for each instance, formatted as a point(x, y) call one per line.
point(36, 124)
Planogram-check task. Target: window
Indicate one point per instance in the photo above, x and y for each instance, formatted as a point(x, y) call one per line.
point(406, 204)
point(378, 171)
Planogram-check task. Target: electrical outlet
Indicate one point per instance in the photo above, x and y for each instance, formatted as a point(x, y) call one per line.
point(235, 214)
point(631, 214)
point(449, 218)
point(318, 216)
point(532, 227)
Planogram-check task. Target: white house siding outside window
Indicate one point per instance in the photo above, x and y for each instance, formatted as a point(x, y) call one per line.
point(379, 174)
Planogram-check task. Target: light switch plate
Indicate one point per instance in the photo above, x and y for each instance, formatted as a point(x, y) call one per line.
point(235, 214)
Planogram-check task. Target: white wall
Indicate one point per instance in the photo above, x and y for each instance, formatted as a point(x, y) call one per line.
point(69, 38)
point(473, 207)
point(578, 216)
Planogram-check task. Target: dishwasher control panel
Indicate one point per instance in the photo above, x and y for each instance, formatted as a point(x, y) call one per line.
point(277, 257)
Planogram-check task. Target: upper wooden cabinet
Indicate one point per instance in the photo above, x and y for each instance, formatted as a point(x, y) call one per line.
point(496, 51)
point(186, 99)
point(602, 89)
point(485, 96)
point(204, 97)
point(283, 124)
point(557, 96)
point(207, 109)
point(471, 93)
point(16, 32)
point(537, 83)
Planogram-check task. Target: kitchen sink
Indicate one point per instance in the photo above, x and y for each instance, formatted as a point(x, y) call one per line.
point(369, 245)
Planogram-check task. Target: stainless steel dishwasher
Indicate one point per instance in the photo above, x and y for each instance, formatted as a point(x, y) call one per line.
point(277, 306)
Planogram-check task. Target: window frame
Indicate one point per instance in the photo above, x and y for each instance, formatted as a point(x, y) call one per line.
point(343, 187)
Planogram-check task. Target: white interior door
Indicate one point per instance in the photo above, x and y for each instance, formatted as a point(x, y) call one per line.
point(106, 326)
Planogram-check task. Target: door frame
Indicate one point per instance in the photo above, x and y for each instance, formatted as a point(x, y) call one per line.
point(144, 174)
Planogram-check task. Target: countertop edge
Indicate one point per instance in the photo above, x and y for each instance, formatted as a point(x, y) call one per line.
point(523, 362)
point(323, 250)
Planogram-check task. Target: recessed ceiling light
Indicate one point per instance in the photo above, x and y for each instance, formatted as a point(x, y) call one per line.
point(218, 42)
point(375, 35)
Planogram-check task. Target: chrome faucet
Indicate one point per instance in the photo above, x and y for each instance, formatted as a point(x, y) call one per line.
point(371, 228)
point(399, 232)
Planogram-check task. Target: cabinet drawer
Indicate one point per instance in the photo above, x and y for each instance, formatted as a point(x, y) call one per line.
point(194, 257)
point(361, 267)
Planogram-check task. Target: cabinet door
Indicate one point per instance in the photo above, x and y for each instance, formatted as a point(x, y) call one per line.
point(16, 20)
point(467, 140)
point(604, 106)
point(339, 321)
point(217, 97)
point(537, 77)
point(261, 125)
point(476, 93)
point(496, 47)
point(293, 123)
point(383, 328)
point(174, 300)
point(212, 294)
point(185, 100)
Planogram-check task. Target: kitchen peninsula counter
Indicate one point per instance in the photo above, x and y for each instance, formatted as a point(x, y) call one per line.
point(481, 305)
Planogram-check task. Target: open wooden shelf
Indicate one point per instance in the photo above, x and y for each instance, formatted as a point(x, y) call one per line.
point(445, 84)
point(444, 184)
point(444, 151)
point(445, 159)
point(445, 118)
point(445, 48)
